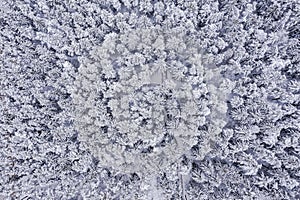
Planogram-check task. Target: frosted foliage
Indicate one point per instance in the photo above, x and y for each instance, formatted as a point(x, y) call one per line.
point(137, 99)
